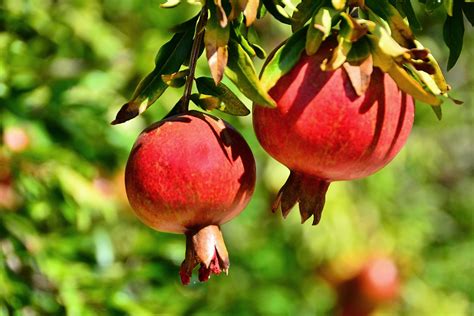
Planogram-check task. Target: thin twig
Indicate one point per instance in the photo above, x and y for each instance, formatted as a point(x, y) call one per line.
point(193, 60)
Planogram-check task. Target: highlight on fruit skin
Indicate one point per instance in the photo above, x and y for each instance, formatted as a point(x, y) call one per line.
point(189, 174)
point(323, 131)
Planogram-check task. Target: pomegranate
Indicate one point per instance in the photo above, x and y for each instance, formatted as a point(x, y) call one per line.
point(323, 131)
point(376, 283)
point(379, 281)
point(189, 174)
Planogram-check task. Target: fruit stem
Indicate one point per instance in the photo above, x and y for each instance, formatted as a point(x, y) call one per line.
point(193, 59)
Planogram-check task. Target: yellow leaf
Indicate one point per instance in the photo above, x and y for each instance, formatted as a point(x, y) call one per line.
point(250, 11)
point(409, 85)
point(338, 4)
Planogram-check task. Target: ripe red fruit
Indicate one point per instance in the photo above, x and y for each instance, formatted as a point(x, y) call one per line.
point(188, 174)
point(323, 131)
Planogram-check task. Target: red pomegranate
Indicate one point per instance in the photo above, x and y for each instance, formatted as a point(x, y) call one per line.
point(323, 131)
point(189, 174)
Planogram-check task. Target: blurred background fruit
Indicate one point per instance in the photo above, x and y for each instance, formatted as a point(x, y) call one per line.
point(70, 244)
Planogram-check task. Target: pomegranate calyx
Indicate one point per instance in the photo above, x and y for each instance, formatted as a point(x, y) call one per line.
point(308, 191)
point(206, 247)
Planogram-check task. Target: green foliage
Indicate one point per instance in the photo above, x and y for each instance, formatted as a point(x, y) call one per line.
point(69, 243)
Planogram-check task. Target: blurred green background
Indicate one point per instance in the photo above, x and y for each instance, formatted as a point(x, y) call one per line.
point(69, 243)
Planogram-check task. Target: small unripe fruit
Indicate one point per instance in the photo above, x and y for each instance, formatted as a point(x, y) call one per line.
point(189, 174)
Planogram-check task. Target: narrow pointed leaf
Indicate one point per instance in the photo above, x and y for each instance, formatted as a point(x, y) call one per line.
point(250, 12)
point(272, 8)
point(169, 59)
point(241, 72)
point(401, 32)
point(304, 11)
point(453, 33)
point(319, 29)
point(409, 85)
point(411, 16)
point(468, 9)
point(350, 28)
point(170, 4)
point(177, 79)
point(339, 55)
point(359, 52)
point(338, 4)
point(438, 112)
point(228, 101)
point(284, 59)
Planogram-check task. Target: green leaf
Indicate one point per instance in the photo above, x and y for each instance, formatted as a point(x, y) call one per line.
point(284, 59)
point(453, 33)
point(432, 5)
point(170, 4)
point(411, 16)
point(339, 55)
point(468, 9)
point(351, 29)
point(305, 10)
point(169, 59)
point(338, 4)
point(241, 72)
point(259, 51)
point(437, 111)
point(360, 51)
point(449, 5)
point(228, 101)
point(319, 29)
point(177, 79)
point(272, 8)
point(380, 7)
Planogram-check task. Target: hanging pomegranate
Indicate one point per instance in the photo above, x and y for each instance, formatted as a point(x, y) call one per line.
point(323, 131)
point(189, 174)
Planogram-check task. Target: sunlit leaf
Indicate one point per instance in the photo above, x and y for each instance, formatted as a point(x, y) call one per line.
point(224, 99)
point(319, 29)
point(277, 14)
point(304, 11)
point(411, 15)
point(339, 55)
point(338, 4)
point(250, 12)
point(169, 59)
point(409, 85)
point(177, 79)
point(283, 59)
point(241, 72)
point(170, 4)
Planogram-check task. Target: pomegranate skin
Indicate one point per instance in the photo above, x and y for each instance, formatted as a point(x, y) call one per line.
point(189, 171)
point(323, 131)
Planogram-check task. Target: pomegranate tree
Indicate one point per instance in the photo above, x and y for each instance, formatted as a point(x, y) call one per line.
point(189, 174)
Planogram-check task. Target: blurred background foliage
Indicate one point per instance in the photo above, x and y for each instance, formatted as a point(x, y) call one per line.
point(70, 244)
